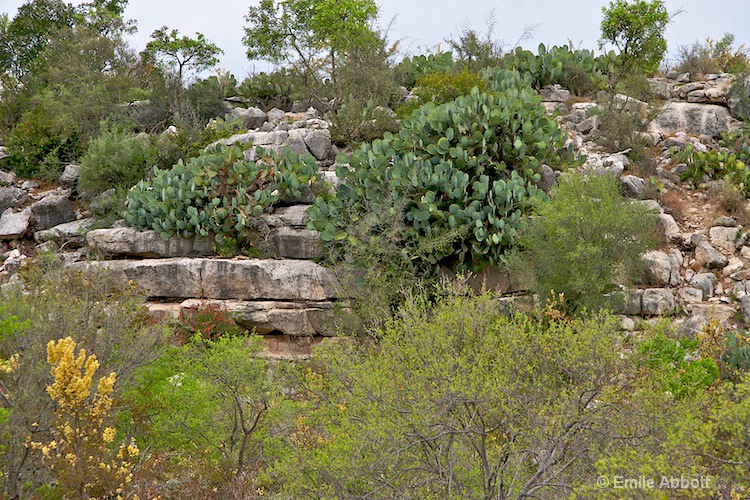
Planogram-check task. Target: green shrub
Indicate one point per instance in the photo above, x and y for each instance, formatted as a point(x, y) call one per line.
point(38, 147)
point(116, 159)
point(217, 193)
point(686, 372)
point(440, 88)
point(455, 401)
point(584, 239)
point(270, 90)
point(411, 69)
point(461, 176)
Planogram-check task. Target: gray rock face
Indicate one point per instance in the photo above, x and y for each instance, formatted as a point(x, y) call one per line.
point(658, 302)
point(745, 301)
point(253, 117)
point(53, 210)
point(554, 93)
point(293, 243)
point(11, 196)
point(706, 282)
point(700, 119)
point(628, 302)
point(633, 185)
point(709, 257)
point(127, 242)
point(273, 317)
point(70, 234)
point(14, 225)
point(251, 279)
point(70, 175)
point(738, 99)
point(724, 238)
point(293, 215)
point(660, 270)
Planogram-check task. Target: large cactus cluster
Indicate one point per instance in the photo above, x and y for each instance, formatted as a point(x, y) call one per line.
point(462, 173)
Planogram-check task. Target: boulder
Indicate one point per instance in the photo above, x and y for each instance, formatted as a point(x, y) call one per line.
point(320, 145)
point(11, 197)
point(554, 93)
point(724, 238)
point(738, 99)
point(706, 283)
point(15, 225)
point(699, 119)
point(745, 306)
point(70, 234)
point(548, 178)
point(658, 302)
point(53, 210)
point(293, 215)
point(660, 270)
point(69, 177)
point(128, 242)
point(628, 302)
point(671, 229)
point(633, 185)
point(253, 118)
point(708, 257)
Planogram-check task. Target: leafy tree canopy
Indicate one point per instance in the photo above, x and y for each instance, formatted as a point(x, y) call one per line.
point(182, 52)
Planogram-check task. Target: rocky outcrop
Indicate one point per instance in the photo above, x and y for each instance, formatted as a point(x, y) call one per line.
point(15, 224)
point(128, 242)
point(300, 133)
point(699, 119)
point(225, 279)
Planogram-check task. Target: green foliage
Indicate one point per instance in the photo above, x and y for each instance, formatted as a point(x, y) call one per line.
point(411, 69)
point(577, 70)
point(99, 311)
point(308, 33)
point(687, 372)
point(728, 162)
point(217, 193)
point(637, 29)
point(182, 53)
point(460, 176)
point(475, 51)
point(455, 401)
point(116, 159)
point(206, 398)
point(712, 56)
point(440, 88)
point(585, 238)
point(36, 145)
point(25, 37)
point(270, 90)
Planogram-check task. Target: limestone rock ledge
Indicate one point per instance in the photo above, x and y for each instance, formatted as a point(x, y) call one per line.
point(226, 279)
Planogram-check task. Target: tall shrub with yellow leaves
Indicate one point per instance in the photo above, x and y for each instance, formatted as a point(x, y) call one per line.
point(81, 453)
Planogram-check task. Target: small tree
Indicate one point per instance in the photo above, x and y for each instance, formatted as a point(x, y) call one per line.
point(302, 33)
point(183, 52)
point(637, 30)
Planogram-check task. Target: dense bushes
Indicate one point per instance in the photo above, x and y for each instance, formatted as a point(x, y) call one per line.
point(577, 70)
point(217, 193)
point(116, 159)
point(584, 239)
point(460, 175)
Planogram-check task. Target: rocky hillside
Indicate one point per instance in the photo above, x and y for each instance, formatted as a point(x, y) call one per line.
point(700, 273)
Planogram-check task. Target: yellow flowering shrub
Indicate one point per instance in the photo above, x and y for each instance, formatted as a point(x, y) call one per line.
point(80, 454)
